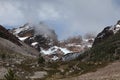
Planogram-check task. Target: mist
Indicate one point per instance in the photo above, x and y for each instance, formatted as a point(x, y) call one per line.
point(66, 17)
point(42, 29)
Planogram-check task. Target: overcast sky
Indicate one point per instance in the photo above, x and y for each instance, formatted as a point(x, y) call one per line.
point(67, 17)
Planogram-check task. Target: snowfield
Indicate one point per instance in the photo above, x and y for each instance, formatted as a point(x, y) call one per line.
point(53, 50)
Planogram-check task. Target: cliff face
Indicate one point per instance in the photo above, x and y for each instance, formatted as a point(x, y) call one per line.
point(4, 33)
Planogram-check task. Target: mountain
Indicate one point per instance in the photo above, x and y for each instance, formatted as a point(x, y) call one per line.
point(107, 32)
point(44, 39)
point(106, 46)
point(101, 61)
point(74, 56)
point(11, 42)
point(4, 33)
point(14, 53)
point(36, 36)
point(20, 49)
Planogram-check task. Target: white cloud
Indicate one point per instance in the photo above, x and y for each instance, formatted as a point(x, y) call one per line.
point(47, 12)
point(9, 15)
point(78, 16)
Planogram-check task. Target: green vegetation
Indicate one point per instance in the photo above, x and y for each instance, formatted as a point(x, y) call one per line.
point(3, 56)
point(41, 60)
point(107, 50)
point(98, 56)
point(10, 75)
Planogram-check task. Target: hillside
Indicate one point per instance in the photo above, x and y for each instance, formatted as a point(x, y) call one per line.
point(26, 61)
point(14, 53)
point(105, 51)
point(71, 59)
point(110, 72)
point(44, 39)
point(107, 48)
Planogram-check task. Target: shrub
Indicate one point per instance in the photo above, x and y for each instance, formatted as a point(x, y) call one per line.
point(3, 56)
point(41, 60)
point(10, 75)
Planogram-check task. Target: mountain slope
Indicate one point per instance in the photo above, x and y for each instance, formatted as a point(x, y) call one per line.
point(106, 33)
point(106, 46)
point(9, 41)
point(36, 36)
point(110, 72)
point(105, 50)
point(4, 33)
point(15, 55)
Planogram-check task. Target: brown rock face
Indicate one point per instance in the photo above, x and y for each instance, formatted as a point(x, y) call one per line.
point(4, 33)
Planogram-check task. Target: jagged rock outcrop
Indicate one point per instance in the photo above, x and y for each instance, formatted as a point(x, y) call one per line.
point(106, 33)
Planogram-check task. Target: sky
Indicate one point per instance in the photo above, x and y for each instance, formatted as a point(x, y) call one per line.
point(66, 17)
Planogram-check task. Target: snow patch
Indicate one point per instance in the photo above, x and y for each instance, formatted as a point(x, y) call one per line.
point(115, 28)
point(89, 45)
point(18, 30)
point(53, 49)
point(22, 38)
point(55, 58)
point(34, 43)
point(71, 45)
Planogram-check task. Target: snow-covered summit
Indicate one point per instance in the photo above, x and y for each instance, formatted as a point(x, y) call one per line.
point(107, 32)
point(20, 29)
point(115, 28)
point(36, 35)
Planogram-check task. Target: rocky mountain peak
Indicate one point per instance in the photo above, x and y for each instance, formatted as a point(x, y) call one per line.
point(36, 36)
point(107, 32)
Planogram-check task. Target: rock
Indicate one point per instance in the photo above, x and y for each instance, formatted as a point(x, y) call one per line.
point(4, 33)
point(7, 64)
point(12, 66)
point(22, 72)
point(33, 66)
point(37, 65)
point(39, 75)
point(18, 62)
point(26, 77)
point(3, 71)
point(103, 35)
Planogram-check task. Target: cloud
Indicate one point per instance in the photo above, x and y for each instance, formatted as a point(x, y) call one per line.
point(71, 17)
point(9, 14)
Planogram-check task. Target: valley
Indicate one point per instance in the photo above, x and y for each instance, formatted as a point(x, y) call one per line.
point(33, 55)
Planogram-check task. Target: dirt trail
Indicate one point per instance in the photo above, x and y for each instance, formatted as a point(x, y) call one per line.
point(110, 72)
